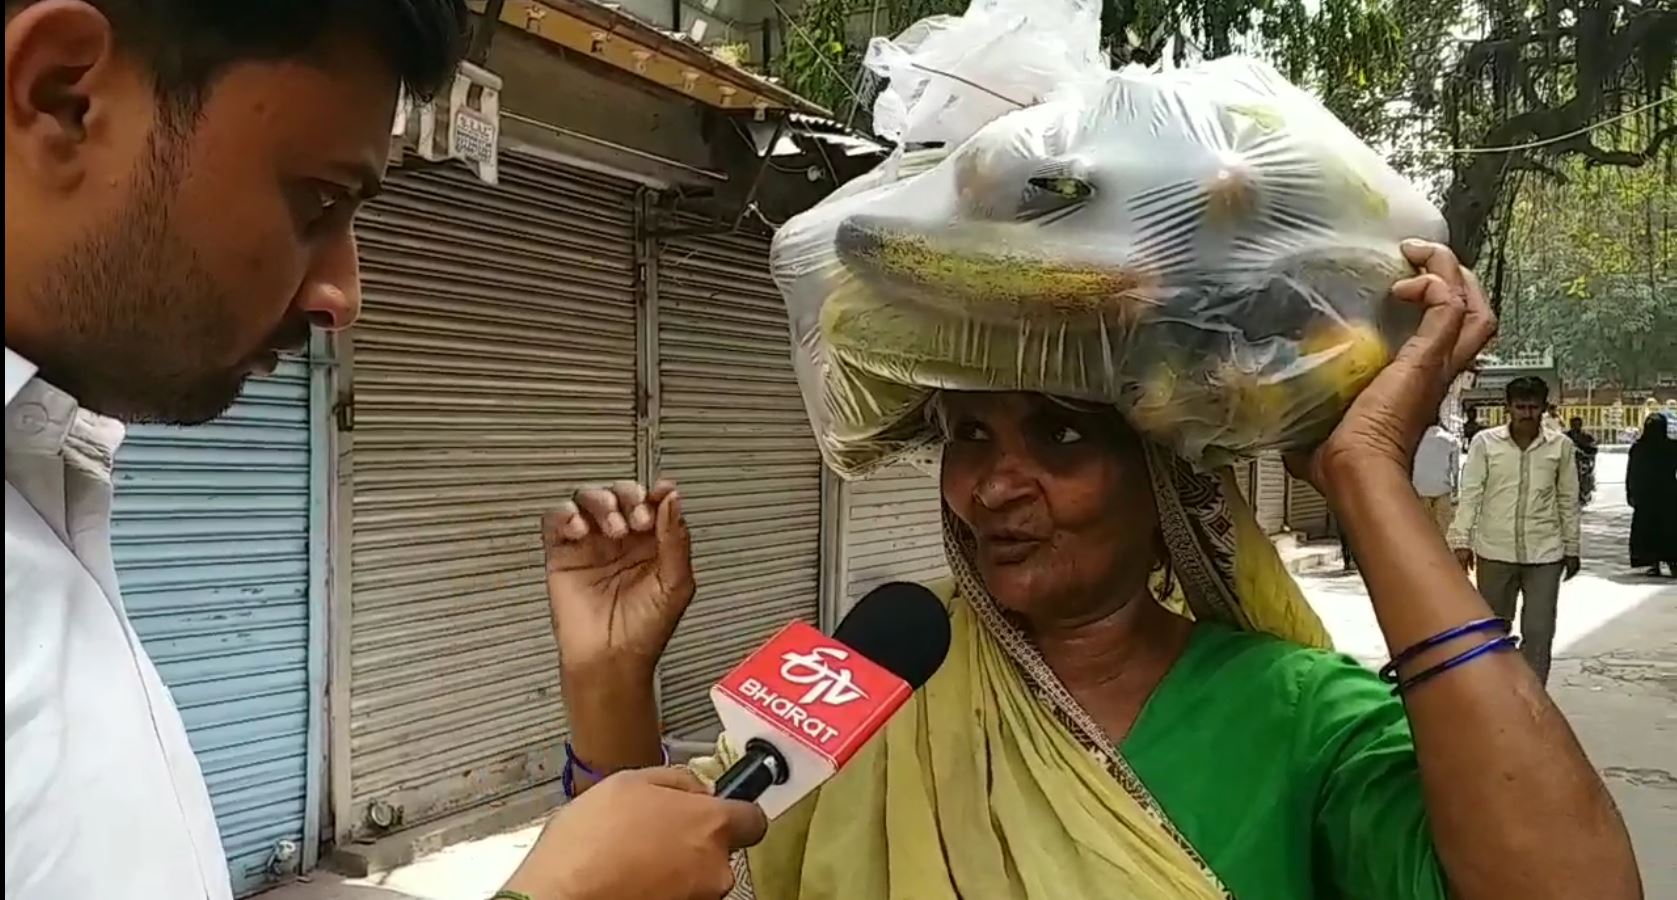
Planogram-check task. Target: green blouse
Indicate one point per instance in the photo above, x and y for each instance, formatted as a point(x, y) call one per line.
point(1292, 771)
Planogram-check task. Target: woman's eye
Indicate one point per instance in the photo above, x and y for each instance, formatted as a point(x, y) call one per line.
point(1065, 434)
point(970, 431)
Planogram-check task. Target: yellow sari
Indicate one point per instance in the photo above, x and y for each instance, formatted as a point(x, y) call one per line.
point(992, 782)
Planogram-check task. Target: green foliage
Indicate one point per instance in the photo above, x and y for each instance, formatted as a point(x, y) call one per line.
point(1350, 51)
point(1591, 270)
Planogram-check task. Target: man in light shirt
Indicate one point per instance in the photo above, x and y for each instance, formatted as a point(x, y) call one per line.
point(1437, 461)
point(1517, 517)
point(181, 177)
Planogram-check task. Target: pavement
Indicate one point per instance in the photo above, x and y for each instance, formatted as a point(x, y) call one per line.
point(1614, 676)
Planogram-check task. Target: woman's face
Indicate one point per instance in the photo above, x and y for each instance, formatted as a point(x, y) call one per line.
point(1058, 500)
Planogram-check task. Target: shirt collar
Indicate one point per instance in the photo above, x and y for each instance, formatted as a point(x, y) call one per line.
point(1544, 435)
point(19, 372)
point(43, 419)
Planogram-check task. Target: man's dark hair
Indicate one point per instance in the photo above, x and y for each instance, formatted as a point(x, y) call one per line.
point(188, 43)
point(1527, 387)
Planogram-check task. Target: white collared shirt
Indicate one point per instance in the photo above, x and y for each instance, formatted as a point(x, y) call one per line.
point(1518, 506)
point(1436, 462)
point(104, 797)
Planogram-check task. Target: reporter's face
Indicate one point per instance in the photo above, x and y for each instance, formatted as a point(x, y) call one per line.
point(181, 249)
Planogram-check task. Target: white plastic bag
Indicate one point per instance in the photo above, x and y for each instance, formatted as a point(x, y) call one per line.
point(1206, 248)
point(948, 76)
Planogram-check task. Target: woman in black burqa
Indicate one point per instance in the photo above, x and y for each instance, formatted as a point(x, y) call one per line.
point(1651, 485)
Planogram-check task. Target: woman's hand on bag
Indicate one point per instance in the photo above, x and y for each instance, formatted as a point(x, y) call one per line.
point(1385, 423)
point(619, 574)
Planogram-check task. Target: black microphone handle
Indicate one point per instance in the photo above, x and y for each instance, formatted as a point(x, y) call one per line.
point(761, 768)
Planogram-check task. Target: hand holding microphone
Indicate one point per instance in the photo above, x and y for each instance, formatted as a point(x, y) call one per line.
point(652, 834)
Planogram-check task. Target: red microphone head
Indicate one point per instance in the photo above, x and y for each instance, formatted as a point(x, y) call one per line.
point(831, 694)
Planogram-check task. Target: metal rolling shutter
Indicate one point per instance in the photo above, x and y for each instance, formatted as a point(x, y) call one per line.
point(894, 531)
point(1307, 509)
point(733, 431)
point(494, 371)
point(1270, 493)
point(212, 546)
point(1243, 475)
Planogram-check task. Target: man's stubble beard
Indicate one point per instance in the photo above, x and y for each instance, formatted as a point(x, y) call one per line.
point(137, 316)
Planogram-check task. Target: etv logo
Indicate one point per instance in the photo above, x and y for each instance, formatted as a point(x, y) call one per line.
point(831, 686)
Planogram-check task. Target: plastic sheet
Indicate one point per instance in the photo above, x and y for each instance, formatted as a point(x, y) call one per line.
point(1206, 248)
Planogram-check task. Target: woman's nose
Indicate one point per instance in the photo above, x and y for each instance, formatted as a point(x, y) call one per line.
point(1003, 485)
point(330, 295)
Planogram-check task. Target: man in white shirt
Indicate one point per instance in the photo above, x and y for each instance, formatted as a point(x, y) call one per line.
point(1517, 519)
point(1437, 461)
point(180, 181)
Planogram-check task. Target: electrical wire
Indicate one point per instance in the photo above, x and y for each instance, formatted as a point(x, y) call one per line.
point(1545, 142)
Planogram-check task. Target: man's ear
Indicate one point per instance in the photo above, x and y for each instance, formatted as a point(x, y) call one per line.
point(62, 76)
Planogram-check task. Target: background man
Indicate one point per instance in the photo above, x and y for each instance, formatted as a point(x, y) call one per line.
point(1517, 519)
point(181, 177)
point(1472, 427)
point(1585, 444)
point(1437, 463)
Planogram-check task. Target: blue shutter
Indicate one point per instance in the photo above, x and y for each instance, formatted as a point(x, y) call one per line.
point(211, 533)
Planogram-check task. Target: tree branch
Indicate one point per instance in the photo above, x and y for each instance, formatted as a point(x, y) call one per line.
point(1524, 162)
point(1668, 133)
point(1601, 156)
point(1594, 154)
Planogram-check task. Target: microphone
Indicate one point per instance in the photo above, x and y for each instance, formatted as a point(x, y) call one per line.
point(804, 703)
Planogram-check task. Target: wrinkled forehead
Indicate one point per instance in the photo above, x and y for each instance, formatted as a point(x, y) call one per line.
point(1019, 408)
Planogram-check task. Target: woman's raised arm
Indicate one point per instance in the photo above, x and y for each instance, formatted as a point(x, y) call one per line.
point(619, 577)
point(1515, 808)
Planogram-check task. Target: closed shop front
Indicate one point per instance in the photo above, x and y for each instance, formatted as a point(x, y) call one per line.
point(893, 531)
point(1244, 473)
point(220, 573)
point(731, 429)
point(1307, 509)
point(1269, 492)
point(494, 370)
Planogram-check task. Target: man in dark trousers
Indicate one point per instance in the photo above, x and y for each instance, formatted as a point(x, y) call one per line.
point(1517, 517)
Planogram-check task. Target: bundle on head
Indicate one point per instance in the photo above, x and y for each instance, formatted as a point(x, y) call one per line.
point(1207, 249)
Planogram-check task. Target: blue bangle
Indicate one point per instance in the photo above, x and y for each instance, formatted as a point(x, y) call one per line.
point(1389, 672)
point(1506, 642)
point(567, 775)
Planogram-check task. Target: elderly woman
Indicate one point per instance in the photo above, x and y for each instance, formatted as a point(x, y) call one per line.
point(1134, 705)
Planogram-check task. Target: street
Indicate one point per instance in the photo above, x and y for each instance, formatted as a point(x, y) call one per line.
point(1615, 677)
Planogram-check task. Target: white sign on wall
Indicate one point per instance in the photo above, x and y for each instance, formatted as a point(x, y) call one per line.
point(462, 122)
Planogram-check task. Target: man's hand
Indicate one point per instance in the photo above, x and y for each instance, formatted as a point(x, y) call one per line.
point(1573, 566)
point(1465, 557)
point(651, 834)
